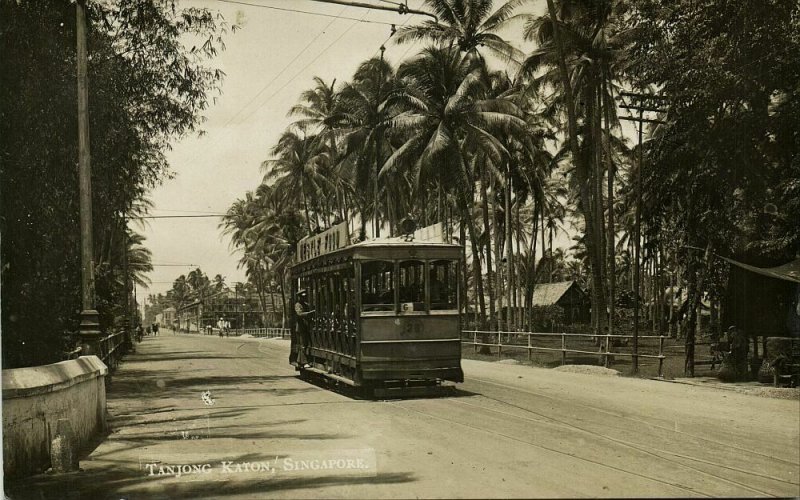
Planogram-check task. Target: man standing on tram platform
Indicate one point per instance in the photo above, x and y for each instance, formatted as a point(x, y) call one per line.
point(302, 327)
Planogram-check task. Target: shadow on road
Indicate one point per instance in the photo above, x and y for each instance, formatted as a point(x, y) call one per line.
point(138, 484)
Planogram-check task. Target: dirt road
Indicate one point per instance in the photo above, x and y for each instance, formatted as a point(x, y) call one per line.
point(509, 431)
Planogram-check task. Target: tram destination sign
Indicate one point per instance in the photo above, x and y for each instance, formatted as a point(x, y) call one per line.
point(325, 242)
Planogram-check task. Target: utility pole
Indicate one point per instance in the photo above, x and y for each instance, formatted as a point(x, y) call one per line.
point(128, 322)
point(642, 103)
point(90, 320)
point(378, 148)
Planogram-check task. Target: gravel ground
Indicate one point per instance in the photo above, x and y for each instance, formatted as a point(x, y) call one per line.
point(587, 370)
point(748, 388)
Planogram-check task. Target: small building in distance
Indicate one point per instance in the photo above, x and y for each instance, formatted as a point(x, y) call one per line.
point(568, 295)
point(167, 318)
point(239, 310)
point(560, 303)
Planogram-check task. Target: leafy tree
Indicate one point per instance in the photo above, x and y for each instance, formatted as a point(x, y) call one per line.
point(145, 87)
point(722, 174)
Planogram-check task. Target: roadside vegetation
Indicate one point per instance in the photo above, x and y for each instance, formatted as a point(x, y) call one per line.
point(147, 87)
point(506, 146)
point(512, 148)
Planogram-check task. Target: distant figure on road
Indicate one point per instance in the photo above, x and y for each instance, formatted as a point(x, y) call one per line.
point(155, 329)
point(302, 312)
point(221, 326)
point(139, 332)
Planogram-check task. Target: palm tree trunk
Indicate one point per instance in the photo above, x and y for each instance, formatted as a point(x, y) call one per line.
point(518, 288)
point(612, 265)
point(583, 178)
point(531, 278)
point(498, 273)
point(476, 266)
point(487, 232)
point(509, 257)
point(305, 208)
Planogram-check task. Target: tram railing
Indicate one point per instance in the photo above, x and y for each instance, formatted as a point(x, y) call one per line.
point(514, 340)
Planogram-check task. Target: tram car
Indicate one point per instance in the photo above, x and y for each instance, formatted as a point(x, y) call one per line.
point(381, 315)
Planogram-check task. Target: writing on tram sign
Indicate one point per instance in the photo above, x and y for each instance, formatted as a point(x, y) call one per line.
point(325, 242)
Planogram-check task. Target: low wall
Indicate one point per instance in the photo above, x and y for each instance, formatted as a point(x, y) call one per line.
point(35, 398)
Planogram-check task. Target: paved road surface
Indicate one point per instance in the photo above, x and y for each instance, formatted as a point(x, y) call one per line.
point(509, 431)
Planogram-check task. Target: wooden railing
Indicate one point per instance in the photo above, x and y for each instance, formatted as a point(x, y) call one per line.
point(512, 341)
point(263, 332)
point(112, 347)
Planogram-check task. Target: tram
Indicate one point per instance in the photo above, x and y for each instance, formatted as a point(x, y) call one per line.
point(381, 314)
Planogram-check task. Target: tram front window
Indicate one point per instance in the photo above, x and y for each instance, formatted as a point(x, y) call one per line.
point(412, 286)
point(443, 285)
point(377, 286)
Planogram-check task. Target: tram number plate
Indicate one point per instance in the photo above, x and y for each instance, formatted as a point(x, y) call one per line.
point(412, 327)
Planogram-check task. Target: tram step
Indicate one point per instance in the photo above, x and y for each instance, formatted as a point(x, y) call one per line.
point(419, 391)
point(330, 375)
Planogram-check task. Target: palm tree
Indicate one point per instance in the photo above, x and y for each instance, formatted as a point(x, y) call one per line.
point(139, 259)
point(295, 166)
point(577, 46)
point(179, 295)
point(365, 115)
point(469, 24)
point(450, 125)
point(219, 283)
point(320, 111)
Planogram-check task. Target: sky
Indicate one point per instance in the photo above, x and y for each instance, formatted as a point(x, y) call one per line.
point(268, 62)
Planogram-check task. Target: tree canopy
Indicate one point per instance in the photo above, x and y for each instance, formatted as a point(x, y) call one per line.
point(146, 87)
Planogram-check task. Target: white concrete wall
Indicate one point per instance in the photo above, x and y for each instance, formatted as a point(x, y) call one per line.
point(35, 398)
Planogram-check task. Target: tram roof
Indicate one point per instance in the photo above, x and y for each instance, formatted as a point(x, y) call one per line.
point(394, 247)
point(400, 241)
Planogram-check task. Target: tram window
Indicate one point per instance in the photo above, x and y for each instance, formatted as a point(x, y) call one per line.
point(377, 286)
point(443, 284)
point(412, 285)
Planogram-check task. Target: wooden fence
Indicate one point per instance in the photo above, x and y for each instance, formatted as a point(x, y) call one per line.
point(525, 340)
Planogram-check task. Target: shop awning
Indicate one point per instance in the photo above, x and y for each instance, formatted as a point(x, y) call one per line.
point(786, 272)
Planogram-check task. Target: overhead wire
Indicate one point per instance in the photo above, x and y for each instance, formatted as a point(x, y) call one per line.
point(283, 70)
point(257, 108)
point(297, 11)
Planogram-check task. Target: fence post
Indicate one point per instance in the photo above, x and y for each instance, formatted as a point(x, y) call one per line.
point(530, 351)
point(475, 340)
point(661, 356)
point(605, 357)
point(563, 349)
point(499, 344)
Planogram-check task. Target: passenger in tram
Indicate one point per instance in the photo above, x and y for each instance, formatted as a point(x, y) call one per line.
point(437, 288)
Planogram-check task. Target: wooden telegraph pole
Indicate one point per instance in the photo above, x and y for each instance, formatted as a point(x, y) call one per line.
point(641, 103)
point(378, 151)
point(90, 320)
